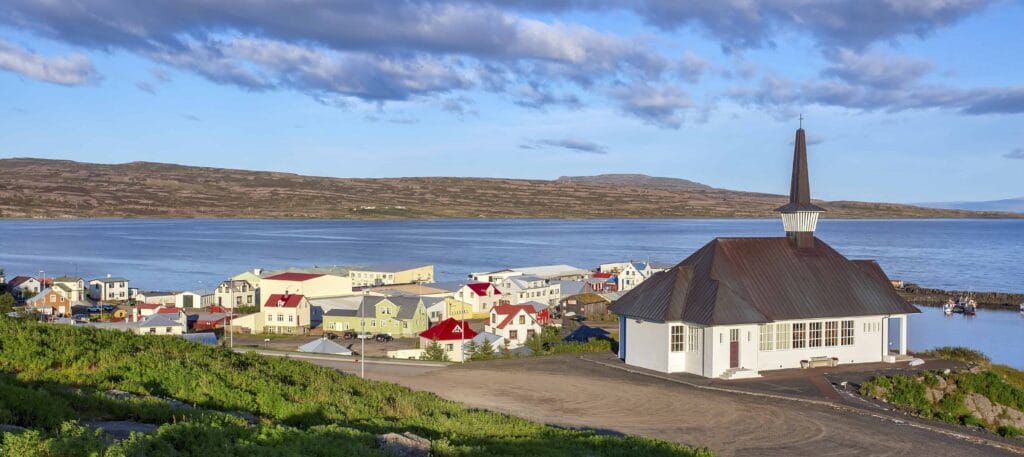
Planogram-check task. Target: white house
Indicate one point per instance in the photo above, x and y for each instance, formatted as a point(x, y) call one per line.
point(629, 274)
point(391, 273)
point(481, 296)
point(182, 299)
point(234, 293)
point(74, 286)
point(24, 285)
point(109, 289)
point(739, 306)
point(551, 272)
point(524, 288)
point(514, 323)
point(451, 335)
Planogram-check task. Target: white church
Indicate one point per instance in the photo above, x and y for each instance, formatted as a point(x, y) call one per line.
point(739, 306)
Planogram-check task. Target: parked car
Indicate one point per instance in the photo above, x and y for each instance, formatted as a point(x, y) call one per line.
point(348, 335)
point(364, 335)
point(108, 308)
point(93, 309)
point(383, 337)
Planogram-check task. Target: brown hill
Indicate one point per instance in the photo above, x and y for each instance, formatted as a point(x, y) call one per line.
point(37, 188)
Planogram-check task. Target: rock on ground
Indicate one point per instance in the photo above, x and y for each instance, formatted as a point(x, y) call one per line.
point(404, 445)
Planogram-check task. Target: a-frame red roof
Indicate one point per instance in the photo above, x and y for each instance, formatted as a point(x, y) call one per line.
point(449, 329)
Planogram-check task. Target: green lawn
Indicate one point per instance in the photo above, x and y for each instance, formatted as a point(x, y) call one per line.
point(51, 376)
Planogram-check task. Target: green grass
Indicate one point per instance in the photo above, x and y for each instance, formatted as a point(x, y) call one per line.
point(52, 376)
point(960, 354)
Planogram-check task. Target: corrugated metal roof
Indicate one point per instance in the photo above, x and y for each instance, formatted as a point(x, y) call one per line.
point(756, 280)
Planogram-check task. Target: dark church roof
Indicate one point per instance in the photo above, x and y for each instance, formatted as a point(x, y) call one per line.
point(800, 186)
point(759, 280)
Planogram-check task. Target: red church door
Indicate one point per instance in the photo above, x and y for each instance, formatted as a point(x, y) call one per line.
point(734, 348)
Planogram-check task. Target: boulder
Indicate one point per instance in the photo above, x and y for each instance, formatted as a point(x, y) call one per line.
point(403, 445)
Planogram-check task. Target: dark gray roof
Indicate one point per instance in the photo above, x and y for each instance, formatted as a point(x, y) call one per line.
point(406, 307)
point(758, 280)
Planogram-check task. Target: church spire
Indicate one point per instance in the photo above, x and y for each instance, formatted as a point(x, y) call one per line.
point(800, 216)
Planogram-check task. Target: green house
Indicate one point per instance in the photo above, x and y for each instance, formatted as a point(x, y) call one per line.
point(398, 316)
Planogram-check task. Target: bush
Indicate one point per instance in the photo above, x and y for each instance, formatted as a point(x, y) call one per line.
point(1010, 431)
point(960, 354)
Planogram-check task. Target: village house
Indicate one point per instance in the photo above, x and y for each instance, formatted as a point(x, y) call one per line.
point(51, 301)
point(481, 296)
point(601, 282)
point(549, 272)
point(181, 299)
point(24, 286)
point(253, 277)
point(516, 323)
point(156, 324)
point(74, 286)
point(399, 316)
point(451, 335)
point(629, 274)
point(386, 274)
point(234, 293)
point(284, 314)
point(739, 306)
point(203, 321)
point(586, 305)
point(439, 309)
point(524, 288)
point(310, 285)
point(109, 289)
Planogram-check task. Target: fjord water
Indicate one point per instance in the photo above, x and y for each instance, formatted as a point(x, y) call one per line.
point(983, 255)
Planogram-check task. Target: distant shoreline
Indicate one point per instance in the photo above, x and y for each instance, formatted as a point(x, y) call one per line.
point(979, 217)
point(938, 297)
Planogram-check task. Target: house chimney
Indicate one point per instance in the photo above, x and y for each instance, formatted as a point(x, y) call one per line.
point(800, 216)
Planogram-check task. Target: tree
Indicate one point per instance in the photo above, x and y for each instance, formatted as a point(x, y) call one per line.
point(434, 352)
point(471, 349)
point(483, 352)
point(7, 302)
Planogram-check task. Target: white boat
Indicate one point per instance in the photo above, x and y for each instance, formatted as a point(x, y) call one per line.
point(1022, 307)
point(947, 309)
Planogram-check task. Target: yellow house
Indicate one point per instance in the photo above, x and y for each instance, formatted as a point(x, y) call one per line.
point(386, 274)
point(312, 285)
point(399, 316)
point(441, 308)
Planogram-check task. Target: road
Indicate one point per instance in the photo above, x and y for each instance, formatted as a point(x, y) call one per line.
point(570, 392)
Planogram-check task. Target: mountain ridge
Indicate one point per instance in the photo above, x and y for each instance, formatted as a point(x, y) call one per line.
point(44, 188)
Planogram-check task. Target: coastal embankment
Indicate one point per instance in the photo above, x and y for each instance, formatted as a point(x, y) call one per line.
point(936, 297)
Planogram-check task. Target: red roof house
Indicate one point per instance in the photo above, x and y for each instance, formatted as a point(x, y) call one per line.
point(283, 301)
point(449, 329)
point(480, 288)
point(297, 277)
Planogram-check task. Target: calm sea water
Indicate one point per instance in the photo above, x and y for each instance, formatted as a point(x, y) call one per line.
point(997, 333)
point(196, 254)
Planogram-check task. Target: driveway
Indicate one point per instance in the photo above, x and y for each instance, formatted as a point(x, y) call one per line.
point(571, 392)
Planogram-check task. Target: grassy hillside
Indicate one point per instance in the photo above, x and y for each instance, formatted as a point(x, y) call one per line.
point(53, 377)
point(60, 188)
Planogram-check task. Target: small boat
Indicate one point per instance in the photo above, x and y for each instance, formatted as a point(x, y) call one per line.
point(947, 309)
point(970, 306)
point(1022, 307)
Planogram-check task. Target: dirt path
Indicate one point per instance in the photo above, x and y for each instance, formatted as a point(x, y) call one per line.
point(570, 392)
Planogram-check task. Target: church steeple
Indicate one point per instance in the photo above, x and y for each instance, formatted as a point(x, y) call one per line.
point(800, 216)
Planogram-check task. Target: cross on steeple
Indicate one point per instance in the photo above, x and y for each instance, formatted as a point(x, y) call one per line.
point(801, 120)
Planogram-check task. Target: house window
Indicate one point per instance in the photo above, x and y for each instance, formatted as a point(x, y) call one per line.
point(513, 334)
point(522, 320)
point(330, 326)
point(248, 299)
point(799, 335)
point(831, 333)
point(530, 333)
point(847, 335)
point(678, 338)
point(449, 347)
point(280, 317)
point(783, 332)
point(405, 324)
point(291, 318)
point(167, 330)
point(494, 318)
point(238, 300)
point(373, 322)
point(814, 339)
point(767, 337)
point(692, 343)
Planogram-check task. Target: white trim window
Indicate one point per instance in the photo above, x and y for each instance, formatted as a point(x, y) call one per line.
point(831, 333)
point(678, 338)
point(691, 345)
point(783, 333)
point(767, 342)
point(847, 333)
point(799, 335)
point(814, 335)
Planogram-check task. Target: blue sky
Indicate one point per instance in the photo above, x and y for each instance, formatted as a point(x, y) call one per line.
point(903, 100)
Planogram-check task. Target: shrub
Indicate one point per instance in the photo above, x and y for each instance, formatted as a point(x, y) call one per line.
point(1010, 431)
point(960, 354)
